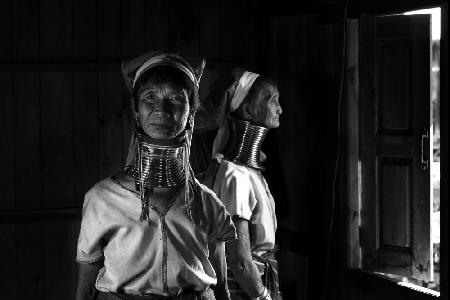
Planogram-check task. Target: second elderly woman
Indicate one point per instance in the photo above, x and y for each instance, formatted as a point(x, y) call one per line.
point(236, 177)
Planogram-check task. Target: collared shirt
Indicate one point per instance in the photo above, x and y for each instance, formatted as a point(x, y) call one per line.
point(245, 193)
point(164, 256)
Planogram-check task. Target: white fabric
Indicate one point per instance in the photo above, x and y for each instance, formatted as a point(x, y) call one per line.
point(245, 83)
point(133, 251)
point(243, 87)
point(245, 193)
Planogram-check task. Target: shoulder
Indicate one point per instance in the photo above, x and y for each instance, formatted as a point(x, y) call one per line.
point(103, 186)
point(234, 168)
point(208, 195)
point(231, 171)
point(100, 192)
point(211, 203)
point(219, 220)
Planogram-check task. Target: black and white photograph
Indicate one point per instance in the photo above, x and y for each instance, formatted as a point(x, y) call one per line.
point(223, 150)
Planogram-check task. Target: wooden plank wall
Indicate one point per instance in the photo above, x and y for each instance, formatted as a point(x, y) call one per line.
point(305, 58)
point(64, 115)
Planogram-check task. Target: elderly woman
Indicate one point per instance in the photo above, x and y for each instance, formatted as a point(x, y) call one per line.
point(153, 231)
point(235, 176)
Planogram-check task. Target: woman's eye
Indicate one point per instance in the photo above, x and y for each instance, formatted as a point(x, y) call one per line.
point(274, 99)
point(176, 99)
point(148, 99)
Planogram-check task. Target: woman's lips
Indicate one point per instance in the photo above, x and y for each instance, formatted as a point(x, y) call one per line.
point(161, 121)
point(161, 125)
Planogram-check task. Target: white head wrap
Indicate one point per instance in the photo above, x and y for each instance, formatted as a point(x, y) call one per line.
point(243, 87)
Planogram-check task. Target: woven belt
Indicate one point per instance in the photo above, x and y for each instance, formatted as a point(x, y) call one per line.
point(268, 268)
point(185, 295)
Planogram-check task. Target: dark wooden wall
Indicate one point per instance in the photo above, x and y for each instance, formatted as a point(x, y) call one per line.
point(306, 59)
point(64, 115)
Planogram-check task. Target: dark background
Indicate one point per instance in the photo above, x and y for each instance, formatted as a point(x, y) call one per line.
point(65, 124)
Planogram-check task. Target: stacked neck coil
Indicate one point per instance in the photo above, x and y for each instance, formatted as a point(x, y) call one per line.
point(158, 166)
point(245, 145)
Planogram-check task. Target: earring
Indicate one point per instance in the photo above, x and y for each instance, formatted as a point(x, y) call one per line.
point(191, 122)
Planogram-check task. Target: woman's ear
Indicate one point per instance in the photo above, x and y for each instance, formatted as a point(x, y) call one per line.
point(246, 110)
point(190, 122)
point(133, 107)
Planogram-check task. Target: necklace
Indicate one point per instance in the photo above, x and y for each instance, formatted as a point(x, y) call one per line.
point(245, 145)
point(158, 166)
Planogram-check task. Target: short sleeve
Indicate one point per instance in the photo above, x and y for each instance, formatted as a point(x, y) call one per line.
point(220, 225)
point(89, 248)
point(235, 190)
point(223, 229)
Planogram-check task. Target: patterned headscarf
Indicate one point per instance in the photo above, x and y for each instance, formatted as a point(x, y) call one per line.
point(132, 70)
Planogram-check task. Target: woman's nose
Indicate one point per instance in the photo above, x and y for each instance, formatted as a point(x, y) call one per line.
point(160, 106)
point(279, 109)
point(160, 109)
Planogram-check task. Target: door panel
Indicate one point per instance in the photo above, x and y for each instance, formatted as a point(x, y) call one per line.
point(395, 113)
point(395, 195)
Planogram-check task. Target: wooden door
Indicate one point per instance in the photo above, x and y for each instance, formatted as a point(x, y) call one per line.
point(394, 144)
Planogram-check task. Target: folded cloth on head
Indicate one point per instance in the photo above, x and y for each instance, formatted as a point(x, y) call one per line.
point(239, 91)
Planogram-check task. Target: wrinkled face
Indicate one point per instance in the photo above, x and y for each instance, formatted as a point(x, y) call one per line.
point(267, 109)
point(162, 109)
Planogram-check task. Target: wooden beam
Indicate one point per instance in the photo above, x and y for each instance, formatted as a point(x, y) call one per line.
point(367, 284)
point(50, 66)
point(335, 10)
point(353, 217)
point(444, 154)
point(7, 216)
point(88, 66)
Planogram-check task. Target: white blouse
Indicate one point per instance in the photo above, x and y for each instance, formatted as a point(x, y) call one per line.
point(245, 193)
point(164, 256)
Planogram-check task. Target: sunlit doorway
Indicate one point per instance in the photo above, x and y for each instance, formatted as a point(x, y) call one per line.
point(434, 139)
